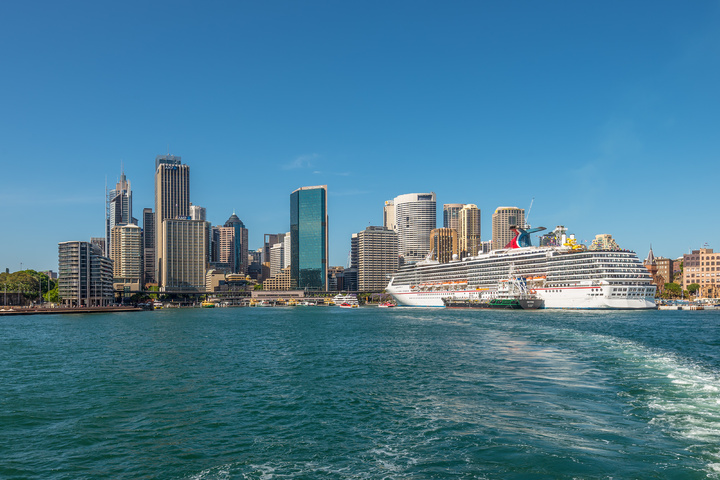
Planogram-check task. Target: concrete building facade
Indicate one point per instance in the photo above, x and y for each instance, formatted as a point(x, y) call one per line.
point(702, 266)
point(184, 244)
point(415, 216)
point(119, 210)
point(469, 243)
point(149, 245)
point(389, 215)
point(377, 257)
point(126, 253)
point(451, 215)
point(444, 244)
point(502, 220)
point(172, 201)
point(85, 275)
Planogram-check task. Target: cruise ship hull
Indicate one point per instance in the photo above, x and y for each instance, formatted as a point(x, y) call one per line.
point(569, 298)
point(564, 280)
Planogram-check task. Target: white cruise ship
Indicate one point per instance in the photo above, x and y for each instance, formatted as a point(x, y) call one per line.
point(563, 277)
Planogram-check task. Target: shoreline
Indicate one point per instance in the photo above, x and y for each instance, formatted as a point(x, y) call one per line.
point(64, 310)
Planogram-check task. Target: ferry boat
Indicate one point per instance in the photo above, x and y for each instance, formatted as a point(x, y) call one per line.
point(346, 301)
point(568, 276)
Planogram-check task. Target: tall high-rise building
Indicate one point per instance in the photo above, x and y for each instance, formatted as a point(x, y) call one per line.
point(86, 275)
point(119, 209)
point(240, 244)
point(172, 201)
point(444, 244)
point(389, 215)
point(149, 246)
point(451, 212)
point(184, 244)
point(416, 216)
point(276, 259)
point(502, 220)
point(269, 240)
point(377, 258)
point(287, 248)
point(309, 237)
point(126, 254)
point(280, 255)
point(469, 243)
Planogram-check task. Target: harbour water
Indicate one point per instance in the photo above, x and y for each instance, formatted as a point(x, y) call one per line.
point(369, 393)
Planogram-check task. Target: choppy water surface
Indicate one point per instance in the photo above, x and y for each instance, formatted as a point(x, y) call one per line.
point(328, 393)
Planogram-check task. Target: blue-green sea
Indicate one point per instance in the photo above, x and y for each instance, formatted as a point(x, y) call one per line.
point(369, 393)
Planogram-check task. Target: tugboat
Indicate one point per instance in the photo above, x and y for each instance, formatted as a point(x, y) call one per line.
point(512, 293)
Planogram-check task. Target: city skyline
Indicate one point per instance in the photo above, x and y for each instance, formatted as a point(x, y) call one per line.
point(592, 110)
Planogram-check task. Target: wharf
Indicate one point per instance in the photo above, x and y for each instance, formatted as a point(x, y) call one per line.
point(65, 310)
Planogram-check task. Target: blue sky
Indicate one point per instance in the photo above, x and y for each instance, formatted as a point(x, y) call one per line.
point(607, 113)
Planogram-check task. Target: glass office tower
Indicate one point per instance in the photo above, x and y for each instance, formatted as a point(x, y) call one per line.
point(309, 238)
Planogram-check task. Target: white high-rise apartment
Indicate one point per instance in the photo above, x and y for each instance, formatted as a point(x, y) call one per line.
point(502, 220)
point(468, 230)
point(287, 245)
point(172, 201)
point(85, 275)
point(126, 254)
point(277, 258)
point(415, 216)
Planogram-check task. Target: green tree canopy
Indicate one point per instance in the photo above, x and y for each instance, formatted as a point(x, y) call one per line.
point(693, 288)
point(673, 289)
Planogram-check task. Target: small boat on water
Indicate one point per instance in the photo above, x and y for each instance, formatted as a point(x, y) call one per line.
point(207, 304)
point(387, 305)
point(346, 301)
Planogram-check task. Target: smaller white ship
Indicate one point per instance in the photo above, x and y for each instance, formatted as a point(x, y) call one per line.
point(348, 300)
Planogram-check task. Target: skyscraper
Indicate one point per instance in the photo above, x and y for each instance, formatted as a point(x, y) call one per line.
point(416, 216)
point(502, 220)
point(149, 246)
point(126, 254)
point(451, 212)
point(184, 244)
point(309, 237)
point(172, 201)
point(444, 244)
point(469, 243)
point(389, 215)
point(240, 244)
point(119, 209)
point(377, 258)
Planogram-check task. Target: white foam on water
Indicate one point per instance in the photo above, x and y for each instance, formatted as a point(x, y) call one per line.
point(681, 397)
